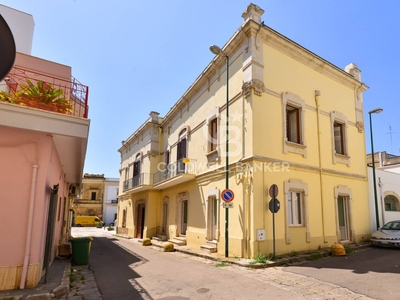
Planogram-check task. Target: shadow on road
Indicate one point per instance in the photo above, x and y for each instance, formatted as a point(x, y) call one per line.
point(112, 266)
point(372, 259)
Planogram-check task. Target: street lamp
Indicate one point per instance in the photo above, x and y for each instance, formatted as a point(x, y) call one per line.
point(374, 111)
point(217, 50)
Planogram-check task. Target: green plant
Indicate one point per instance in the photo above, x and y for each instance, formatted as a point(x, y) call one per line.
point(222, 264)
point(260, 258)
point(315, 256)
point(42, 96)
point(294, 253)
point(349, 250)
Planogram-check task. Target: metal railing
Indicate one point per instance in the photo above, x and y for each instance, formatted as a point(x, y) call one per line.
point(111, 201)
point(17, 80)
point(138, 180)
point(181, 166)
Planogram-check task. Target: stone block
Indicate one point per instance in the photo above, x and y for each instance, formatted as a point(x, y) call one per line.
point(168, 247)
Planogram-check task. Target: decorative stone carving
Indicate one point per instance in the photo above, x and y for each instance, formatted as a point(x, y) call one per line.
point(255, 84)
point(360, 126)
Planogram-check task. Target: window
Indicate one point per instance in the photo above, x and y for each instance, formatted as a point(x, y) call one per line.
point(293, 124)
point(93, 197)
point(211, 131)
point(293, 108)
point(213, 135)
point(391, 203)
point(339, 137)
point(295, 208)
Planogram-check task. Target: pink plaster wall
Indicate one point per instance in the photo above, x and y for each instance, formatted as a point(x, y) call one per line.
point(19, 151)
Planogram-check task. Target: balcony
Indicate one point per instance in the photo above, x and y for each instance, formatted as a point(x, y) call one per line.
point(46, 92)
point(175, 173)
point(138, 183)
point(115, 201)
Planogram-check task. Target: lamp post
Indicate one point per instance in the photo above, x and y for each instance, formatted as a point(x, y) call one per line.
point(217, 50)
point(374, 111)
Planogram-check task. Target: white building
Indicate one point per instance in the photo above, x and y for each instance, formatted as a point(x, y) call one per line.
point(110, 203)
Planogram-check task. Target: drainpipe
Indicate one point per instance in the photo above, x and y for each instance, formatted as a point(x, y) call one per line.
point(317, 96)
point(29, 227)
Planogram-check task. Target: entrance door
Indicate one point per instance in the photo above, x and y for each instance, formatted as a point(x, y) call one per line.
point(212, 219)
point(164, 221)
point(343, 215)
point(140, 220)
point(184, 217)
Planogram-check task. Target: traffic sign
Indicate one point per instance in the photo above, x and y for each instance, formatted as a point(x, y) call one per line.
point(274, 205)
point(227, 195)
point(273, 191)
point(227, 204)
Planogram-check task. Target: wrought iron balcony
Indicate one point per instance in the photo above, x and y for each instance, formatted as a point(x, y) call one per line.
point(178, 171)
point(137, 181)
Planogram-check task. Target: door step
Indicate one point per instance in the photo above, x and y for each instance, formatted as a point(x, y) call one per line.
point(210, 247)
point(160, 237)
point(178, 240)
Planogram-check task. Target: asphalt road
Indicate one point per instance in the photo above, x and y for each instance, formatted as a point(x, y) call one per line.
point(374, 272)
point(124, 269)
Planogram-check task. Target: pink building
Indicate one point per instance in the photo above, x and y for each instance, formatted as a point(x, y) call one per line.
point(42, 153)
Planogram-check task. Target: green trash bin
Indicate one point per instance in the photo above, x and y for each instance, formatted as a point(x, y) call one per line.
point(80, 250)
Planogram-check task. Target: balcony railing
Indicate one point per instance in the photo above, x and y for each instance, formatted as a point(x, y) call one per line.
point(138, 180)
point(38, 85)
point(182, 166)
point(111, 201)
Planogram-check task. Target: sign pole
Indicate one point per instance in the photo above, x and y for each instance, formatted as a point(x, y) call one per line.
point(274, 206)
point(273, 226)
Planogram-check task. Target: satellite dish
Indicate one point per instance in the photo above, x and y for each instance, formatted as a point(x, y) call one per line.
point(7, 48)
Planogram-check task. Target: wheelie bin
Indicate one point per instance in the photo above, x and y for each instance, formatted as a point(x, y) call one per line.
point(80, 250)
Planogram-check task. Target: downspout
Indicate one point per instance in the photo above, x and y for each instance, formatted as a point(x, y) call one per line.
point(29, 227)
point(317, 96)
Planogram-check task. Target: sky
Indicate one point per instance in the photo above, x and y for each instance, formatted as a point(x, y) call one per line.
point(141, 56)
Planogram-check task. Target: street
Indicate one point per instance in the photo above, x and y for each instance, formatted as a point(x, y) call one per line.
point(124, 269)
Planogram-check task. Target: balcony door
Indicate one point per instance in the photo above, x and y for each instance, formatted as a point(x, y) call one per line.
point(181, 152)
point(136, 171)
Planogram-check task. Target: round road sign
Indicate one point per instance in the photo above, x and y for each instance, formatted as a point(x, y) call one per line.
point(227, 195)
point(273, 191)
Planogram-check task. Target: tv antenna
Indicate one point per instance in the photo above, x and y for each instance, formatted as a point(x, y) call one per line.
point(391, 140)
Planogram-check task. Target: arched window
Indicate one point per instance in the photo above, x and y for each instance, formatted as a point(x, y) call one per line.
point(391, 203)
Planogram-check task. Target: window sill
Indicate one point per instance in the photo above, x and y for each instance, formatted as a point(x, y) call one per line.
point(212, 156)
point(295, 148)
point(342, 159)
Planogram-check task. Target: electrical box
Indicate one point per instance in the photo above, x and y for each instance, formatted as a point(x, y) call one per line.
point(260, 234)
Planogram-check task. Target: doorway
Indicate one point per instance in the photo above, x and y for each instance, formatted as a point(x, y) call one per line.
point(343, 218)
point(184, 217)
point(212, 219)
point(165, 217)
point(140, 220)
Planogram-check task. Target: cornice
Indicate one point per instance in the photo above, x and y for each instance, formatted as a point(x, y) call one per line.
point(283, 44)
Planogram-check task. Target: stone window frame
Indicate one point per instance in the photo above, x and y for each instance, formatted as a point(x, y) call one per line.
point(344, 191)
point(213, 155)
point(296, 102)
point(337, 117)
point(296, 186)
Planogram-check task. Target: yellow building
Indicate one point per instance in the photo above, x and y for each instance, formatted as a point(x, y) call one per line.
point(295, 121)
point(90, 200)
